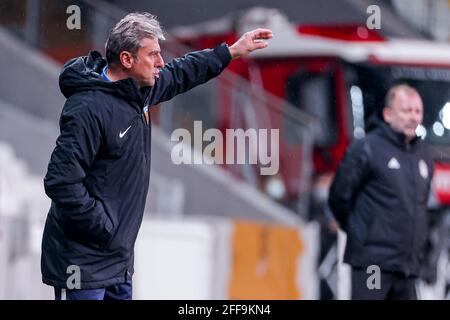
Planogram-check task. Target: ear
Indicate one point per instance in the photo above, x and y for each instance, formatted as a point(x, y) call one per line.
point(387, 114)
point(126, 59)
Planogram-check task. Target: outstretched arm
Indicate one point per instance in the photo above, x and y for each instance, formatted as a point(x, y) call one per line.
point(195, 68)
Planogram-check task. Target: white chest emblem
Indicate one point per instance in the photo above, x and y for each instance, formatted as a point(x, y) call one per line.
point(423, 169)
point(121, 134)
point(393, 164)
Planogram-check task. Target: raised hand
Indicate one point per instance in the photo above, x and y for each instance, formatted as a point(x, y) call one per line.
point(250, 41)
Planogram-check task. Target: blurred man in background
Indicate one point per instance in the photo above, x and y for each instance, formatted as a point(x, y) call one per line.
point(379, 197)
point(98, 174)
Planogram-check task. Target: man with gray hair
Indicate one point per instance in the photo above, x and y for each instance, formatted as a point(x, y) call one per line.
point(98, 174)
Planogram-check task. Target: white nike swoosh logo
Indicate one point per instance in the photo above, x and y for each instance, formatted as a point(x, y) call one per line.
point(121, 134)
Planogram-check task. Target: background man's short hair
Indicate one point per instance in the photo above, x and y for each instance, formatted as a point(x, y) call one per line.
point(403, 86)
point(128, 33)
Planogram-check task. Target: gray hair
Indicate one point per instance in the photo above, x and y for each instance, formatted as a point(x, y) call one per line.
point(128, 33)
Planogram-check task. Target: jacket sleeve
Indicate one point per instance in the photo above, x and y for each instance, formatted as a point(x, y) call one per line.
point(183, 74)
point(350, 176)
point(81, 215)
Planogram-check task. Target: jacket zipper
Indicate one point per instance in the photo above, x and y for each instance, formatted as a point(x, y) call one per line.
point(411, 252)
point(145, 137)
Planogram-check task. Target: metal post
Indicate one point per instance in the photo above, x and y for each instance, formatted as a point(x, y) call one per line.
point(32, 22)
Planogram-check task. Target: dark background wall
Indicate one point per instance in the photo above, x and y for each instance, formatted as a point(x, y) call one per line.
point(180, 12)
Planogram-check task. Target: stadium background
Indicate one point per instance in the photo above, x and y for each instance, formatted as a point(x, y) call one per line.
point(209, 232)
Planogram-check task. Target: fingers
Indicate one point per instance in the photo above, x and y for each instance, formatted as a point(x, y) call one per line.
point(260, 45)
point(261, 33)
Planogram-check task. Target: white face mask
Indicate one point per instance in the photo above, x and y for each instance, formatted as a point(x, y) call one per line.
point(320, 193)
point(275, 188)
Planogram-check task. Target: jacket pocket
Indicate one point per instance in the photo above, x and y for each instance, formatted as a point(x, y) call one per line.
point(93, 228)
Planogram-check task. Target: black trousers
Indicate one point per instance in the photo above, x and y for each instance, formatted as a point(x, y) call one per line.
point(393, 286)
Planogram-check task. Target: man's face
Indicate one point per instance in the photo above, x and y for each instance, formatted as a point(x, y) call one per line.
point(145, 67)
point(405, 113)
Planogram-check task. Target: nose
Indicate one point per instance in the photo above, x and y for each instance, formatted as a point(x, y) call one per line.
point(159, 61)
point(418, 117)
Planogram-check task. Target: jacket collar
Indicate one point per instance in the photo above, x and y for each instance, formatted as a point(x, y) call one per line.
point(397, 138)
